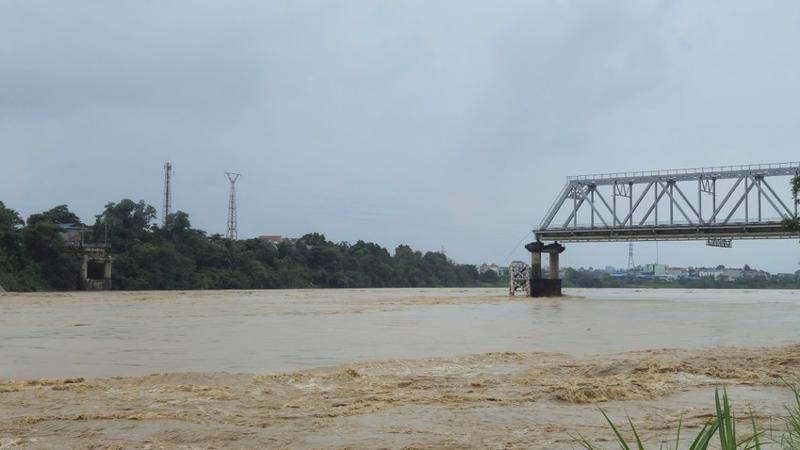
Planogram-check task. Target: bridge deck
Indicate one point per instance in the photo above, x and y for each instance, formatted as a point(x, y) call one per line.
point(762, 230)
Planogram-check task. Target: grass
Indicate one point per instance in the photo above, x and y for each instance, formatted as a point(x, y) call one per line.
point(791, 438)
point(720, 430)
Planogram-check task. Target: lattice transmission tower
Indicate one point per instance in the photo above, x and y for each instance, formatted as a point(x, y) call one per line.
point(232, 233)
point(631, 265)
point(167, 207)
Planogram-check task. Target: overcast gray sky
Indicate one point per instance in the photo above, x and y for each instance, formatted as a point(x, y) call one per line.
point(432, 123)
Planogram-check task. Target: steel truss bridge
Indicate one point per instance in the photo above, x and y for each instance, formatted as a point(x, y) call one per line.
point(714, 203)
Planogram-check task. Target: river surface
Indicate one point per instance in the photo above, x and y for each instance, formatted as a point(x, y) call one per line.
point(130, 333)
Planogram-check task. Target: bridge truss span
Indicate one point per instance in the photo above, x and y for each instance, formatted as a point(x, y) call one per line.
point(730, 202)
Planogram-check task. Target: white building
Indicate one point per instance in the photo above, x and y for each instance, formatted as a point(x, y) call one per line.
point(674, 273)
point(658, 270)
point(497, 269)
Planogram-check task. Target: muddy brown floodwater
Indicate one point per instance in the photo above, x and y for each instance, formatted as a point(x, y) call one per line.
point(438, 368)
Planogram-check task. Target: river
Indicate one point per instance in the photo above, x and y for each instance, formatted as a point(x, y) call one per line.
point(99, 334)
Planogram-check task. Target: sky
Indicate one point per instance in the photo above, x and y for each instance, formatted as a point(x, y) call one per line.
point(436, 124)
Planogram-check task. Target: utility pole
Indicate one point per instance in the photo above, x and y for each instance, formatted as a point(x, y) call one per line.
point(232, 233)
point(167, 193)
point(656, 252)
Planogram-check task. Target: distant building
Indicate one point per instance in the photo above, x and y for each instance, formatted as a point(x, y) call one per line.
point(675, 273)
point(662, 271)
point(755, 273)
point(785, 276)
point(73, 232)
point(731, 273)
point(497, 269)
point(657, 270)
point(704, 272)
point(274, 238)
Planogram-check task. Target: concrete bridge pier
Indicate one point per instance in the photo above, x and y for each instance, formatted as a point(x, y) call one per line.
point(544, 287)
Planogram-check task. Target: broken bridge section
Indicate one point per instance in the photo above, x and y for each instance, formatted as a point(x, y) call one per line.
point(731, 202)
point(715, 204)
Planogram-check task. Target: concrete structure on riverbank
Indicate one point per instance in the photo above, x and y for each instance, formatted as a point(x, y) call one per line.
point(95, 264)
point(95, 258)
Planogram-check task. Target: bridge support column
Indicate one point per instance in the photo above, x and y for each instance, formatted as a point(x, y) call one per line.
point(544, 287)
point(84, 268)
point(536, 265)
point(554, 266)
point(536, 259)
point(107, 273)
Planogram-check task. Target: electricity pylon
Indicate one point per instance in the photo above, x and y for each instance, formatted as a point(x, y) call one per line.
point(232, 233)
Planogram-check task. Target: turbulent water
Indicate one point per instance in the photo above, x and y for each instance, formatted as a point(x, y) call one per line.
point(371, 368)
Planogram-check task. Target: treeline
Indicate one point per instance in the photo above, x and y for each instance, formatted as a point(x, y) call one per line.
point(177, 256)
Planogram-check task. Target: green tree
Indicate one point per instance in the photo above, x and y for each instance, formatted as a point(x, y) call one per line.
point(126, 222)
point(44, 246)
point(177, 256)
point(793, 222)
point(9, 219)
point(490, 277)
point(16, 271)
point(178, 227)
point(57, 215)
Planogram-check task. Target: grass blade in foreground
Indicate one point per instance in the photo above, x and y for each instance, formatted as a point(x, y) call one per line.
point(791, 440)
point(724, 424)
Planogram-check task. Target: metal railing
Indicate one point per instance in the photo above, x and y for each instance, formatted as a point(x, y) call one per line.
point(83, 244)
point(695, 171)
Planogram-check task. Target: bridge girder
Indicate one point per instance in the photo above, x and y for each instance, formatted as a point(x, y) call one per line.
point(645, 194)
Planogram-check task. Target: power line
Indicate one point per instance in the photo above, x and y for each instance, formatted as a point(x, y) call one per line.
point(516, 247)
